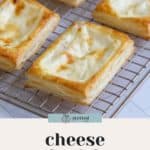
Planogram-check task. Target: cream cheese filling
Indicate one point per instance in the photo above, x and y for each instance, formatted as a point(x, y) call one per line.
point(131, 8)
point(16, 28)
point(81, 54)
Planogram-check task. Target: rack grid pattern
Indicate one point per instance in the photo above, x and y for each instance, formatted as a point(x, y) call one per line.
point(113, 97)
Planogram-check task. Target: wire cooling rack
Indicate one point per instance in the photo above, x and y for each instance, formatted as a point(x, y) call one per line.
point(113, 97)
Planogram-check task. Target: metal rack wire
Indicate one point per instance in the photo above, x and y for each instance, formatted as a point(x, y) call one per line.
point(113, 97)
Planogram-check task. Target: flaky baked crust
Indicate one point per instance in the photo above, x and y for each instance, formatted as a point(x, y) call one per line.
point(80, 63)
point(74, 3)
point(24, 26)
point(131, 19)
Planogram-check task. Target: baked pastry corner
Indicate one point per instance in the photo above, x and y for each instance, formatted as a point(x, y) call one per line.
point(24, 26)
point(81, 62)
point(127, 15)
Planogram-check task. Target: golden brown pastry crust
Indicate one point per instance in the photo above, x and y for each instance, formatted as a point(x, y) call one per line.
point(17, 55)
point(139, 26)
point(80, 92)
point(74, 3)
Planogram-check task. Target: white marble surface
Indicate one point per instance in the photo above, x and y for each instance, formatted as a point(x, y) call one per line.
point(138, 107)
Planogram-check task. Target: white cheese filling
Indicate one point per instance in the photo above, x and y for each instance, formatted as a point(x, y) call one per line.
point(81, 54)
point(16, 28)
point(131, 8)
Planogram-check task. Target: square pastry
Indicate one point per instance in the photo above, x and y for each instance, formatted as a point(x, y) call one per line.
point(132, 16)
point(24, 26)
point(74, 3)
point(80, 63)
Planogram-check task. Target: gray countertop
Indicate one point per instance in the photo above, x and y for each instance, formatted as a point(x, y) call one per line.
point(8, 110)
point(139, 105)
